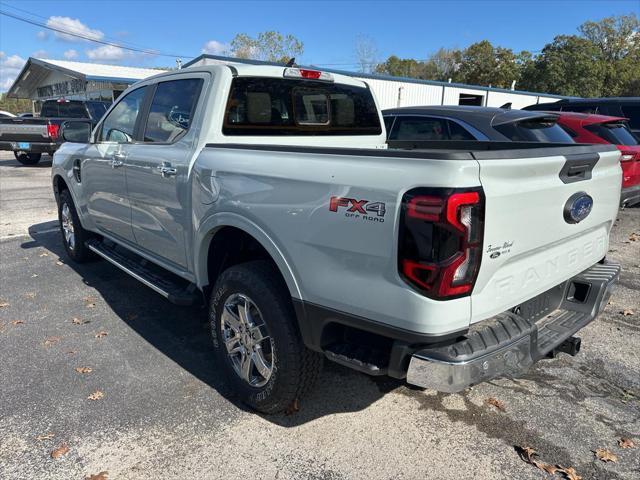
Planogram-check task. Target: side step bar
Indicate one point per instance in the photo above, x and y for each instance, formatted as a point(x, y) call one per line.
point(173, 288)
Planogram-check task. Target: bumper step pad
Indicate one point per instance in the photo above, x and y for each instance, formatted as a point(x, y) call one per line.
point(509, 343)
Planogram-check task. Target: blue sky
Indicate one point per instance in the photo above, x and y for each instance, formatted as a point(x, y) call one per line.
point(328, 29)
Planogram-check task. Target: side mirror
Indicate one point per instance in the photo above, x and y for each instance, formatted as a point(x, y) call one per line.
point(76, 131)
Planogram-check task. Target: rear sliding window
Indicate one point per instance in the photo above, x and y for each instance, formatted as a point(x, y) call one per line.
point(537, 130)
point(616, 133)
point(273, 106)
point(64, 110)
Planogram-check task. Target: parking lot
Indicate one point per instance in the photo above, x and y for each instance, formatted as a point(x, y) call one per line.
point(104, 374)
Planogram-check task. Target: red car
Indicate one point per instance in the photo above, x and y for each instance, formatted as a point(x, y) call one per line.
point(590, 128)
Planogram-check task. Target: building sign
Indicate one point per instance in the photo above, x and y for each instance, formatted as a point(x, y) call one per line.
point(63, 88)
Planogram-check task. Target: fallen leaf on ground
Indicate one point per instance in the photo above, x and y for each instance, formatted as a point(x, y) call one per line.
point(569, 473)
point(634, 237)
point(101, 334)
point(627, 312)
point(44, 254)
point(59, 263)
point(496, 403)
point(34, 275)
point(71, 352)
point(30, 294)
point(97, 395)
point(605, 455)
point(79, 321)
point(84, 369)
point(60, 451)
point(3, 304)
point(45, 436)
point(294, 407)
point(98, 476)
point(51, 341)
point(626, 443)
point(17, 322)
point(527, 454)
point(90, 302)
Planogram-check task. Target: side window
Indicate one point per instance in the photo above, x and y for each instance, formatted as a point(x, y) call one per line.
point(171, 109)
point(458, 132)
point(118, 126)
point(419, 128)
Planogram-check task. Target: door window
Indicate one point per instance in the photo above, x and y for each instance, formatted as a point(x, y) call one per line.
point(119, 125)
point(171, 110)
point(419, 128)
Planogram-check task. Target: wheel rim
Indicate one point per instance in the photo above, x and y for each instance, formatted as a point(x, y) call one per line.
point(67, 226)
point(248, 344)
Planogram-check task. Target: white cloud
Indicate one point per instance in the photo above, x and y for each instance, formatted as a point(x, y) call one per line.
point(72, 25)
point(42, 35)
point(10, 66)
point(40, 54)
point(106, 53)
point(213, 47)
point(70, 54)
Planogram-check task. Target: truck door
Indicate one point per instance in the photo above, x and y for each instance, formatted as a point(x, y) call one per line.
point(158, 170)
point(103, 172)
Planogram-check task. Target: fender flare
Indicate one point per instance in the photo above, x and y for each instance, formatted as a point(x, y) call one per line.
point(217, 221)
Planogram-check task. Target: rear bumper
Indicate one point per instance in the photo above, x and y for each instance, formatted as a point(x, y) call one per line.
point(34, 147)
point(630, 196)
point(509, 343)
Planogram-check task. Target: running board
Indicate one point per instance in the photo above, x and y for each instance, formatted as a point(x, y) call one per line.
point(170, 286)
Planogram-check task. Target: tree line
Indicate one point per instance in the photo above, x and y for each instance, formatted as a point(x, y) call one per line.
point(602, 60)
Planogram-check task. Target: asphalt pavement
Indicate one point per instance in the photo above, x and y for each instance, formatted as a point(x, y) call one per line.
point(104, 374)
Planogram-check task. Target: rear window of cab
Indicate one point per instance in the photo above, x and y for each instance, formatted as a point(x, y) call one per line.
point(274, 106)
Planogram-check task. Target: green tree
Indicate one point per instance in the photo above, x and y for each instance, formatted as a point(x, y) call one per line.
point(617, 39)
point(269, 46)
point(15, 105)
point(570, 65)
point(483, 64)
point(400, 67)
point(444, 64)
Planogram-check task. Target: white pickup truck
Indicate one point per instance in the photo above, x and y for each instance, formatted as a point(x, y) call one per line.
point(270, 194)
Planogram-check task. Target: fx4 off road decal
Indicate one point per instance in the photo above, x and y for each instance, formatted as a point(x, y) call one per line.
point(361, 209)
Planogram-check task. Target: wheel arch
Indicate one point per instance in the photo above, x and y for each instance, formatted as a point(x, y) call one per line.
point(222, 224)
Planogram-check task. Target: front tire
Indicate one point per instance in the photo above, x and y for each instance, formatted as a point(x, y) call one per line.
point(73, 235)
point(256, 338)
point(27, 158)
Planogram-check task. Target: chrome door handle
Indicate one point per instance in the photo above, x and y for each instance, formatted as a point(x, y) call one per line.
point(117, 159)
point(167, 170)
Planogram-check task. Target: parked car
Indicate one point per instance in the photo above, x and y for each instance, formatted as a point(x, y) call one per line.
point(269, 193)
point(627, 107)
point(29, 138)
point(5, 114)
point(454, 122)
point(589, 128)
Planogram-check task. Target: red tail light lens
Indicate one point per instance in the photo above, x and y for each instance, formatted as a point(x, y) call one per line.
point(52, 131)
point(441, 241)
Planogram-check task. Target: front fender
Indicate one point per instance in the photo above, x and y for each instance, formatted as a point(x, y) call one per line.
point(208, 228)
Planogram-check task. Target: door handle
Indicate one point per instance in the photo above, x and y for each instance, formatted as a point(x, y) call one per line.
point(166, 170)
point(118, 159)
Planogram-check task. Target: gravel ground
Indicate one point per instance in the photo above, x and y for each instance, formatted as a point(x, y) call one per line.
point(166, 412)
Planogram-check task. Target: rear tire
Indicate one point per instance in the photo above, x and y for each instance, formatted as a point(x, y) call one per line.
point(280, 368)
point(27, 158)
point(73, 235)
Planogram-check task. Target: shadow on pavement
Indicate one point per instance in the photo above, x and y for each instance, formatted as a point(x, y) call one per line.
point(45, 162)
point(182, 334)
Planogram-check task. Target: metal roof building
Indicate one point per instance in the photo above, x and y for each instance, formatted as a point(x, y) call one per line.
point(392, 92)
point(43, 79)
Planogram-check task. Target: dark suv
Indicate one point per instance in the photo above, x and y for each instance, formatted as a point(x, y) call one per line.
point(627, 107)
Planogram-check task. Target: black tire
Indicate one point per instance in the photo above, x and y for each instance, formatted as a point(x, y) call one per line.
point(77, 250)
point(27, 158)
point(295, 368)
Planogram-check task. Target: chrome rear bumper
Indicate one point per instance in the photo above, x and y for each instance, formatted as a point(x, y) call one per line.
point(509, 343)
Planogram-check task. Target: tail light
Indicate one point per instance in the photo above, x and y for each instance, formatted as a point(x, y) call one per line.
point(440, 247)
point(52, 131)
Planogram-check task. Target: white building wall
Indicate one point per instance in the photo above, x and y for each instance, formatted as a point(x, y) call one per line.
point(452, 94)
point(517, 100)
point(391, 94)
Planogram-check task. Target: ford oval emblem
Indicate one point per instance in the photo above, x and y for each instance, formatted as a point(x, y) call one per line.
point(578, 207)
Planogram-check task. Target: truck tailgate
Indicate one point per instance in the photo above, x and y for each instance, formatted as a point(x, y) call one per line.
point(23, 130)
point(529, 245)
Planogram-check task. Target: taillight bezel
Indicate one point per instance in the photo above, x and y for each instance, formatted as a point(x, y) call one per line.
point(438, 211)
